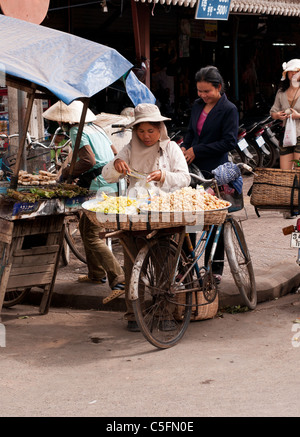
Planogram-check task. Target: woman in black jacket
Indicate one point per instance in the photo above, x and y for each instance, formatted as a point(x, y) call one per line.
point(213, 126)
point(212, 133)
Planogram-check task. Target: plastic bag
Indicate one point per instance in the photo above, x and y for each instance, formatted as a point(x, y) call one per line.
point(290, 136)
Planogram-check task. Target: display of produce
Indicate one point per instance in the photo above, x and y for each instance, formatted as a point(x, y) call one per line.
point(115, 205)
point(59, 191)
point(185, 199)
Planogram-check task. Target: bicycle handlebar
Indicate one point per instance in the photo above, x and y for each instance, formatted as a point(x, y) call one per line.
point(209, 181)
point(200, 179)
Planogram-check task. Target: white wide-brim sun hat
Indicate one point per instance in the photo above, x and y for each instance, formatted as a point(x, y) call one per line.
point(292, 65)
point(71, 113)
point(147, 112)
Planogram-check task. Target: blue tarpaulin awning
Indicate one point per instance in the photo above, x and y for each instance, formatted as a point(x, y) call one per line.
point(67, 65)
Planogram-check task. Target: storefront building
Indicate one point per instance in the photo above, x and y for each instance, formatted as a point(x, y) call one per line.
point(164, 36)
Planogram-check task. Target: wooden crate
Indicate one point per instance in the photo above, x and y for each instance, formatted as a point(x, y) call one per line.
point(30, 252)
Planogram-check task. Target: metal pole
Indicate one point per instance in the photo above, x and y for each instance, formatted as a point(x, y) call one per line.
point(22, 138)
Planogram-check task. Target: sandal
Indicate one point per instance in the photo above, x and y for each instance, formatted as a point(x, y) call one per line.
point(85, 278)
point(113, 295)
point(117, 291)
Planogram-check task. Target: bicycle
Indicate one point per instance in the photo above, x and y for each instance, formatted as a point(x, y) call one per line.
point(164, 278)
point(51, 156)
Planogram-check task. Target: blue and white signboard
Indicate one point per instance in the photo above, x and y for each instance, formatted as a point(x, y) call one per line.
point(212, 10)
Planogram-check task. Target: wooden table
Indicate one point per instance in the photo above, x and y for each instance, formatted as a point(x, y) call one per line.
point(30, 251)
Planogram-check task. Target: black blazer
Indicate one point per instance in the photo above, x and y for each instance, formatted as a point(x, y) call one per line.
point(218, 135)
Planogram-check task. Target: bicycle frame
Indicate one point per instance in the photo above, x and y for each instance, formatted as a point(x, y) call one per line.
point(194, 264)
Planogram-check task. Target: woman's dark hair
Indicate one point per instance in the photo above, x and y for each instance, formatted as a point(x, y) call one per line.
point(284, 84)
point(154, 123)
point(210, 74)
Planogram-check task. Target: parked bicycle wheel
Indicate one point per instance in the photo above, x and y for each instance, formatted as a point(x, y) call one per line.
point(65, 253)
point(240, 262)
point(160, 298)
point(73, 237)
point(13, 297)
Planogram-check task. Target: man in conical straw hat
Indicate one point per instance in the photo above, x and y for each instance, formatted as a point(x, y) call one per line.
point(95, 150)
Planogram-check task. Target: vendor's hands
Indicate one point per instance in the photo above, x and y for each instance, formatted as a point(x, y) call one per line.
point(121, 166)
point(189, 155)
point(154, 176)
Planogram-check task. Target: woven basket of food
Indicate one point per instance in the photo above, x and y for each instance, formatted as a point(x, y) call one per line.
point(187, 206)
point(112, 212)
point(273, 187)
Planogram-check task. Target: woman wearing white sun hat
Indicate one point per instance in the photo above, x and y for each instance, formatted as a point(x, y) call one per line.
point(94, 152)
point(287, 103)
point(152, 152)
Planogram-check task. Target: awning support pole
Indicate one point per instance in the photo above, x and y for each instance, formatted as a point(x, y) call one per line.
point(22, 139)
point(78, 138)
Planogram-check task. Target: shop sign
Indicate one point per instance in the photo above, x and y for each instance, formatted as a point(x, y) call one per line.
point(212, 10)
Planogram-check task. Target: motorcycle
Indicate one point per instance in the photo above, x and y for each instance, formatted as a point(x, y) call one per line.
point(250, 152)
point(262, 137)
point(272, 134)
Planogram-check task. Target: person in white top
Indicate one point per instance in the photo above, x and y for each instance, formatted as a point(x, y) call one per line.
point(152, 152)
point(286, 104)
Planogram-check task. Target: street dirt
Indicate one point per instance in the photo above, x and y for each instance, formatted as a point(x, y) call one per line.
point(74, 363)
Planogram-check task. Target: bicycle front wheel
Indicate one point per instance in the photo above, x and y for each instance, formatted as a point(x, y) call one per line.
point(240, 262)
point(163, 307)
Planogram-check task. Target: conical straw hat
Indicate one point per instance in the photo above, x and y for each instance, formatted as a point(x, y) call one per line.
point(63, 113)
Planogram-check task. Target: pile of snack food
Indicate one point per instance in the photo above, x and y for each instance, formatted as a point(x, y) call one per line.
point(115, 205)
point(42, 178)
point(185, 199)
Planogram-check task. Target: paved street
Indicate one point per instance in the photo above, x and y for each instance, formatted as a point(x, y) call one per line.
point(85, 363)
point(80, 361)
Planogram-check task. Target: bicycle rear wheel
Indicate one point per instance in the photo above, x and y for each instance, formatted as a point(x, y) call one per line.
point(73, 237)
point(162, 308)
point(240, 262)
